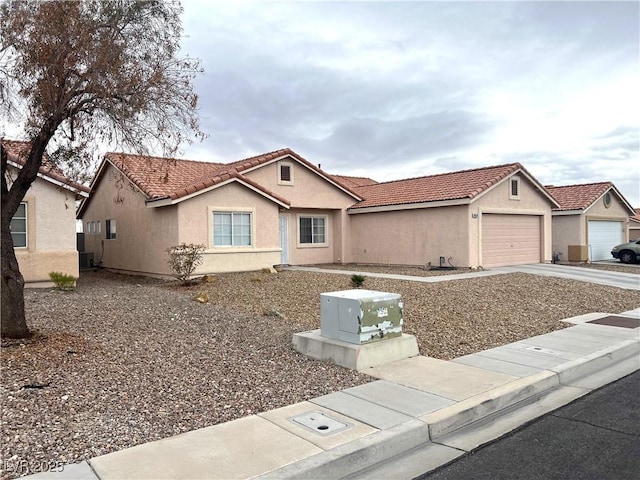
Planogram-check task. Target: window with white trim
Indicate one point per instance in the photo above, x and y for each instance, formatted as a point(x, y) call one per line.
point(285, 173)
point(18, 226)
point(514, 188)
point(313, 230)
point(111, 229)
point(231, 229)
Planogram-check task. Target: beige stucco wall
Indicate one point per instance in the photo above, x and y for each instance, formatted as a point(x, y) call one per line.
point(308, 189)
point(497, 200)
point(51, 234)
point(195, 225)
point(567, 230)
point(410, 237)
point(142, 234)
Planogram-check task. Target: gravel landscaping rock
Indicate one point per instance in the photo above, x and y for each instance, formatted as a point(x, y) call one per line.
point(126, 360)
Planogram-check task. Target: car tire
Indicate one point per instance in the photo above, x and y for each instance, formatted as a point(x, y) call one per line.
point(627, 256)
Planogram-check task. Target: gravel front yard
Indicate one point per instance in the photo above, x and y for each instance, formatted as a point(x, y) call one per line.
point(126, 360)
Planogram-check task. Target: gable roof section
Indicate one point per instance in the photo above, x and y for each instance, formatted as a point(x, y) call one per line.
point(459, 187)
point(166, 181)
point(17, 153)
point(636, 216)
point(578, 198)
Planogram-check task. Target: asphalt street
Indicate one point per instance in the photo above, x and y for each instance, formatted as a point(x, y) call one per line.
point(594, 437)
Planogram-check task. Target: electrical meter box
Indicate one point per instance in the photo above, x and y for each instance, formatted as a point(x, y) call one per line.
point(360, 316)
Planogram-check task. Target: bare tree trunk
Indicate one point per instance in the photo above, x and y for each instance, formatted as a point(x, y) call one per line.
point(14, 322)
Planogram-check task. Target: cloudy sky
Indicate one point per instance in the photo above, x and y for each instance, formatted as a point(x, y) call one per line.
point(400, 89)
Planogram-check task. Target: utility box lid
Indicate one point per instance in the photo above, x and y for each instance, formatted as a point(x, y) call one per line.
point(360, 316)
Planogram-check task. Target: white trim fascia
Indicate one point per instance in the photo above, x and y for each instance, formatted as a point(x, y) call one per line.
point(566, 212)
point(163, 202)
point(410, 206)
point(288, 155)
point(52, 180)
point(520, 171)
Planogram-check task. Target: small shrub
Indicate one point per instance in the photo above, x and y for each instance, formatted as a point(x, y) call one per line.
point(357, 280)
point(184, 259)
point(62, 281)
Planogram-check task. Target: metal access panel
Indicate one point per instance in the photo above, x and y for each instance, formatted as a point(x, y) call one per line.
point(360, 316)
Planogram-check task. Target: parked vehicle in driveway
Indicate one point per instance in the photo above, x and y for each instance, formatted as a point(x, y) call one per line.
point(627, 252)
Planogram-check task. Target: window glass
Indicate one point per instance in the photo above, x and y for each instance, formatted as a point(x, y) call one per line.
point(231, 229)
point(312, 230)
point(18, 226)
point(111, 229)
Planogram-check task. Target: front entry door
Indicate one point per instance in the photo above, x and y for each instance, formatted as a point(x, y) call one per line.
point(284, 239)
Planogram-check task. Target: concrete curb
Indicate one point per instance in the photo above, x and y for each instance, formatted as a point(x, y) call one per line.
point(364, 454)
point(357, 455)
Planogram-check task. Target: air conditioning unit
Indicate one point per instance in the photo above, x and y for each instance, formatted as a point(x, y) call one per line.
point(85, 260)
point(360, 316)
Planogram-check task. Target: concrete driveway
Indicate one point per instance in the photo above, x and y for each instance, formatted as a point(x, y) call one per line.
point(630, 281)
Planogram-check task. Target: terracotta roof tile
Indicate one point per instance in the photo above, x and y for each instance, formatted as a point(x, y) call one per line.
point(636, 216)
point(446, 186)
point(353, 182)
point(18, 151)
point(578, 197)
point(159, 177)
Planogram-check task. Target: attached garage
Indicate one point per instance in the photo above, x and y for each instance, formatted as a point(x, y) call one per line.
point(602, 235)
point(510, 239)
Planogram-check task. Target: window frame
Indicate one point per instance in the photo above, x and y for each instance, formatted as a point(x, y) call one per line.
point(110, 225)
point(26, 227)
point(514, 181)
point(231, 211)
point(312, 244)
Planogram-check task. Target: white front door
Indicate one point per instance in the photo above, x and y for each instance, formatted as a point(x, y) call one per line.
point(284, 239)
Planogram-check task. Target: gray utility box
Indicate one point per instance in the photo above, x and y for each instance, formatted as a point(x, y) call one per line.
point(360, 316)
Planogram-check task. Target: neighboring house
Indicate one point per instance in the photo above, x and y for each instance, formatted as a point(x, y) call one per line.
point(44, 227)
point(487, 217)
point(590, 220)
point(634, 226)
point(278, 208)
point(271, 209)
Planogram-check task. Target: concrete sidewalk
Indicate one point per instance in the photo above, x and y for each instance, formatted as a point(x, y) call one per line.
point(422, 411)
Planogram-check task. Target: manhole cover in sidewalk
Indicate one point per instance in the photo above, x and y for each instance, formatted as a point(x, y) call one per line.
point(613, 321)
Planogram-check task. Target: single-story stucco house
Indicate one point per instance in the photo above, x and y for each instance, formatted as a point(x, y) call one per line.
point(278, 208)
point(634, 225)
point(487, 217)
point(44, 227)
point(591, 219)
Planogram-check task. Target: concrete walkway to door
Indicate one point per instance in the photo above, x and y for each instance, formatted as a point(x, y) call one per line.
point(630, 281)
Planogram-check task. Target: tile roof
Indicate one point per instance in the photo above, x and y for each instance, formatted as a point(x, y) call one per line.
point(446, 186)
point(636, 216)
point(578, 197)
point(18, 151)
point(353, 182)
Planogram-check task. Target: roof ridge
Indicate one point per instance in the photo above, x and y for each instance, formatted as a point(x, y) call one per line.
point(608, 182)
point(447, 173)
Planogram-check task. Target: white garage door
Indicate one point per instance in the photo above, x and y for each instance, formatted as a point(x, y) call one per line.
point(602, 236)
point(510, 240)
